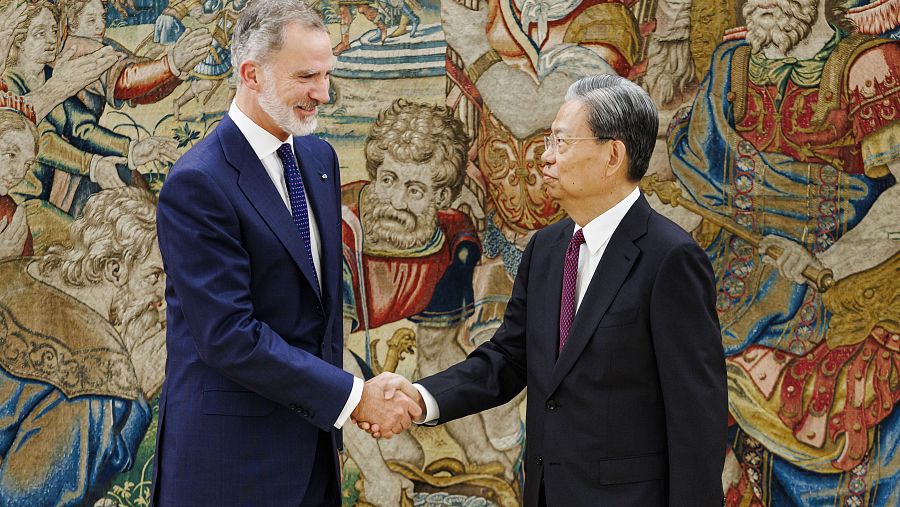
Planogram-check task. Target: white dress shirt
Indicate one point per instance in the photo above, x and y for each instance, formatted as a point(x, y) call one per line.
point(265, 145)
point(597, 234)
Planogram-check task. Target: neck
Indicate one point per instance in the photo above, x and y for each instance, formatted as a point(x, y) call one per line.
point(586, 210)
point(248, 102)
point(98, 297)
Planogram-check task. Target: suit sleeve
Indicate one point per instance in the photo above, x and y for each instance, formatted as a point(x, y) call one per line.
point(208, 270)
point(691, 364)
point(493, 373)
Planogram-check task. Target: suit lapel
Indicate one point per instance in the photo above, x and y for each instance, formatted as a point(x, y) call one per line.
point(620, 255)
point(256, 185)
point(554, 269)
point(319, 184)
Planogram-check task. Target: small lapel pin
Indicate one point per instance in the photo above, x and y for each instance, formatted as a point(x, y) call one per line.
point(323, 176)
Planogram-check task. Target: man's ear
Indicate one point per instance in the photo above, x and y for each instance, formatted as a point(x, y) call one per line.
point(444, 197)
point(617, 160)
point(251, 75)
point(115, 272)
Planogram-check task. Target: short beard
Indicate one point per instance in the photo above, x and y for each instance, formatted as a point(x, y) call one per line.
point(791, 23)
point(283, 115)
point(135, 318)
point(396, 229)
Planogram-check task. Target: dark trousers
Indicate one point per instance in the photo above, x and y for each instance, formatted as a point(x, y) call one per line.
point(324, 489)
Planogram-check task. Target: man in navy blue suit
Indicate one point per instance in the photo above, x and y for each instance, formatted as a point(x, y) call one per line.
point(249, 230)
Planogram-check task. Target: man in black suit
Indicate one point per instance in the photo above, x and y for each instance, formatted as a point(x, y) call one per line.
point(612, 326)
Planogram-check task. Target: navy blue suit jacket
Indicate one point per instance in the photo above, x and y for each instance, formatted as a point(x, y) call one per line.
point(254, 355)
point(633, 412)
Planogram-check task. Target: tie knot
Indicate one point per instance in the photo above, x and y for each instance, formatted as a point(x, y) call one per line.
point(285, 152)
point(577, 239)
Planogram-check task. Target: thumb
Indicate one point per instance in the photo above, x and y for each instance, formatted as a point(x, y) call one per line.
point(389, 393)
point(66, 54)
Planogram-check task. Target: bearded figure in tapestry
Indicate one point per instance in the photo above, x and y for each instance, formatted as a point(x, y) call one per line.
point(787, 160)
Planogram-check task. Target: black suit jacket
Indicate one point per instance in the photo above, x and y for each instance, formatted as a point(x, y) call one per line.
point(634, 409)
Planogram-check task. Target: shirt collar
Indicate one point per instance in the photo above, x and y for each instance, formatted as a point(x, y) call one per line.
point(598, 231)
point(262, 141)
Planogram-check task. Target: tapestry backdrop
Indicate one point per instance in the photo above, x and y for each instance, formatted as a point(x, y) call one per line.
point(778, 150)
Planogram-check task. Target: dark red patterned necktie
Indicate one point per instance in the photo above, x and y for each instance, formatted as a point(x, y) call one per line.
point(570, 276)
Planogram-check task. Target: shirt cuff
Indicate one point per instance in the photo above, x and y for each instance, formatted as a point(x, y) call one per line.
point(352, 402)
point(131, 154)
point(170, 61)
point(432, 412)
point(95, 159)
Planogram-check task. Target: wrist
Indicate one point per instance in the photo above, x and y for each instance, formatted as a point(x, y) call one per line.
point(173, 68)
point(131, 162)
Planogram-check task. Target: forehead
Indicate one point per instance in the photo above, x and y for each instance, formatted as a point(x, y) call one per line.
point(571, 116)
point(92, 7)
point(16, 138)
point(409, 171)
point(43, 18)
point(153, 259)
point(304, 49)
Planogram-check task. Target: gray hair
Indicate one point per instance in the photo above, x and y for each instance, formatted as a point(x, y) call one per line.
point(620, 109)
point(260, 29)
point(118, 225)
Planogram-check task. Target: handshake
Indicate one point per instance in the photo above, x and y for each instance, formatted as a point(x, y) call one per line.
point(389, 405)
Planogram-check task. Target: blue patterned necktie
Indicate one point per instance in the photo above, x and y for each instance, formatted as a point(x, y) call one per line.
point(298, 202)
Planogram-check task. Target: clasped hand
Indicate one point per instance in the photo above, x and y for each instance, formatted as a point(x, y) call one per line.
point(389, 405)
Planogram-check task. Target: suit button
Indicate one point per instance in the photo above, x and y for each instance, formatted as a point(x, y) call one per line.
point(540, 461)
point(551, 405)
point(318, 308)
point(293, 407)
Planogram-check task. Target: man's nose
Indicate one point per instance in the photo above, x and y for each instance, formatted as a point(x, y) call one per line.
point(549, 156)
point(398, 199)
point(320, 93)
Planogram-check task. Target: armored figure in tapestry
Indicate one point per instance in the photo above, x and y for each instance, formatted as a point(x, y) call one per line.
point(788, 158)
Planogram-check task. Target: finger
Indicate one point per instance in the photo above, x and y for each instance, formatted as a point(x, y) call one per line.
point(410, 390)
point(389, 393)
point(795, 268)
point(19, 215)
point(17, 15)
point(18, 222)
point(165, 141)
point(363, 425)
point(414, 410)
point(66, 54)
